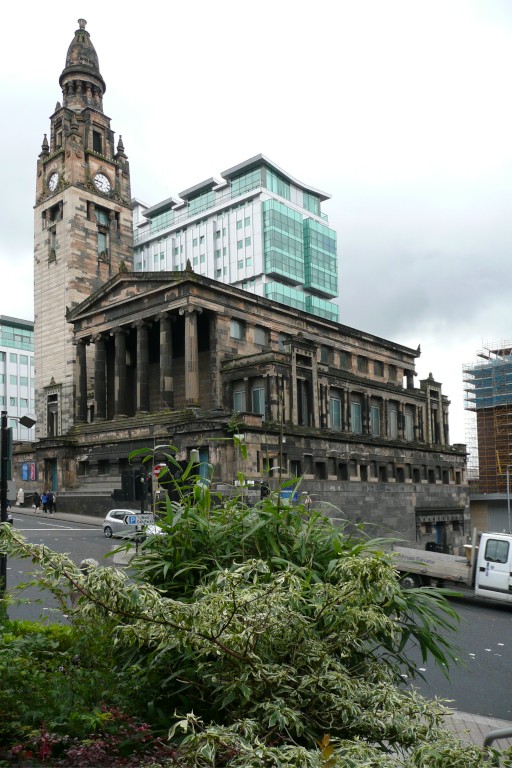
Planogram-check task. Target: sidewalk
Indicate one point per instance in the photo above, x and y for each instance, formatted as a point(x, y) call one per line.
point(471, 729)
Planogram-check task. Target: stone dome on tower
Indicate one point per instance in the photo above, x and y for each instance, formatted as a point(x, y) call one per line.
point(81, 81)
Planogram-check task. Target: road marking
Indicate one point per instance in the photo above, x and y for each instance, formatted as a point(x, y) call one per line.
point(60, 528)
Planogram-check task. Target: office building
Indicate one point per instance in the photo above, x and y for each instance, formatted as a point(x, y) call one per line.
point(17, 373)
point(258, 229)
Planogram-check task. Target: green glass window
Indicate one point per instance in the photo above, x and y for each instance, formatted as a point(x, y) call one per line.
point(277, 184)
point(312, 203)
point(239, 224)
point(201, 203)
point(320, 257)
point(247, 240)
point(285, 294)
point(246, 182)
point(322, 308)
point(283, 244)
point(161, 221)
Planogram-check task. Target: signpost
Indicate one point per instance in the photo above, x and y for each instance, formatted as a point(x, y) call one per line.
point(141, 518)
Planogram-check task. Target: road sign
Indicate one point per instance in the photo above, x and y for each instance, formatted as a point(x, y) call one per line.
point(141, 519)
point(159, 469)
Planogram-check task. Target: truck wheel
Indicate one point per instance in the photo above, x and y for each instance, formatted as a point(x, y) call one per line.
point(410, 581)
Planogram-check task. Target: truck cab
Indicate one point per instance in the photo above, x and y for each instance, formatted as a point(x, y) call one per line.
point(493, 572)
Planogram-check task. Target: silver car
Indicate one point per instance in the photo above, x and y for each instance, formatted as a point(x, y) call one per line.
point(114, 523)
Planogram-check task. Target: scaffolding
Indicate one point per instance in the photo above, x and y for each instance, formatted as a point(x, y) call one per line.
point(488, 405)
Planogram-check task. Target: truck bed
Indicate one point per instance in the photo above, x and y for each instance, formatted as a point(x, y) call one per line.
point(434, 564)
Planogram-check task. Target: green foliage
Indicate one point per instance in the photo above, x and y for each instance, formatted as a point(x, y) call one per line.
point(281, 638)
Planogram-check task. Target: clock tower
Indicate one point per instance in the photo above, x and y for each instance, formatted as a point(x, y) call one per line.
point(83, 226)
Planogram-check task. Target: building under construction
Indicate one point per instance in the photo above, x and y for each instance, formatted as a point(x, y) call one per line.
point(488, 396)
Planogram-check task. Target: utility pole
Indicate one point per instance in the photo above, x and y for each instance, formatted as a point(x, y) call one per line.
point(4, 462)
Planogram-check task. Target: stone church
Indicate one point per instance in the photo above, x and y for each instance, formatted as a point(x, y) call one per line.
point(127, 360)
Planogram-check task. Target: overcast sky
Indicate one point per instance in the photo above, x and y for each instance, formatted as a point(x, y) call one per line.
point(400, 109)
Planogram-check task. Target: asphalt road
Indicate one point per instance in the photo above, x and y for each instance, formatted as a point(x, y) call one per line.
point(481, 682)
point(78, 540)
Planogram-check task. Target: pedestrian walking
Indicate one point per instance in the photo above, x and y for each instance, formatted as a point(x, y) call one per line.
point(20, 497)
point(49, 501)
point(44, 502)
point(55, 502)
point(36, 502)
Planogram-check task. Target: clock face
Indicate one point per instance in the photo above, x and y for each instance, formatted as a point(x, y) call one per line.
point(53, 181)
point(102, 183)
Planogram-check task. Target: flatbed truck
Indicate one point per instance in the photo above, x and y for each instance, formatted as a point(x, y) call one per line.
point(486, 569)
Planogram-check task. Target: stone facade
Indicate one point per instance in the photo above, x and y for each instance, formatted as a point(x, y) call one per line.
point(182, 360)
point(82, 226)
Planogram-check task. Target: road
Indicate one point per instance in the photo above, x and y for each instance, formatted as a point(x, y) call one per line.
point(479, 684)
point(78, 540)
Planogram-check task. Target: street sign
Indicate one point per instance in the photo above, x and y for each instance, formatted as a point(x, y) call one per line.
point(158, 469)
point(141, 519)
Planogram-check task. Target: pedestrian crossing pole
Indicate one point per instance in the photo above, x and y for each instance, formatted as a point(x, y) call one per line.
point(28, 421)
point(4, 463)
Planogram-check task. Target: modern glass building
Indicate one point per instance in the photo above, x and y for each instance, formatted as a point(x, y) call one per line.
point(17, 373)
point(258, 229)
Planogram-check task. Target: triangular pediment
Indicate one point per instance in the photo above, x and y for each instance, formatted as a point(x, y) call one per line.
point(127, 289)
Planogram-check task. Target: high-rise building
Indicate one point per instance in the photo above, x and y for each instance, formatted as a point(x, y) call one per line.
point(258, 229)
point(17, 373)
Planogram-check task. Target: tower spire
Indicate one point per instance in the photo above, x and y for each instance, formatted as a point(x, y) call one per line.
point(81, 81)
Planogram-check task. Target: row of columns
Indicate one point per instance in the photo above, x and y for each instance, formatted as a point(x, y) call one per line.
point(142, 366)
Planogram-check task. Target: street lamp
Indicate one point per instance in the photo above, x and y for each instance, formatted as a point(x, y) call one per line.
point(28, 420)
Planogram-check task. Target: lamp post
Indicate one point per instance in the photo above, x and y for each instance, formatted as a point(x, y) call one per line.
point(26, 421)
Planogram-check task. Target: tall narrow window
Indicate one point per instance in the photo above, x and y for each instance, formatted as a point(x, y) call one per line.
point(375, 420)
point(392, 422)
point(52, 415)
point(97, 142)
point(239, 400)
point(258, 400)
point(335, 413)
point(409, 426)
point(355, 418)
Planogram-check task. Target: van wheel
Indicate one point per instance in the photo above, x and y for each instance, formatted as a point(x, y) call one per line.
point(108, 532)
point(410, 581)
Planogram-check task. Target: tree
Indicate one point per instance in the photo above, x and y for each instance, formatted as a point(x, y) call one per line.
point(269, 636)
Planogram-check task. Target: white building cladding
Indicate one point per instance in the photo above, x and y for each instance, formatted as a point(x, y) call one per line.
point(17, 373)
point(258, 229)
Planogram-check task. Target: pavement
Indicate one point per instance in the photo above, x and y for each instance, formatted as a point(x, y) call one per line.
point(471, 729)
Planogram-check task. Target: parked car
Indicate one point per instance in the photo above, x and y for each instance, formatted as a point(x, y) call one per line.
point(114, 523)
